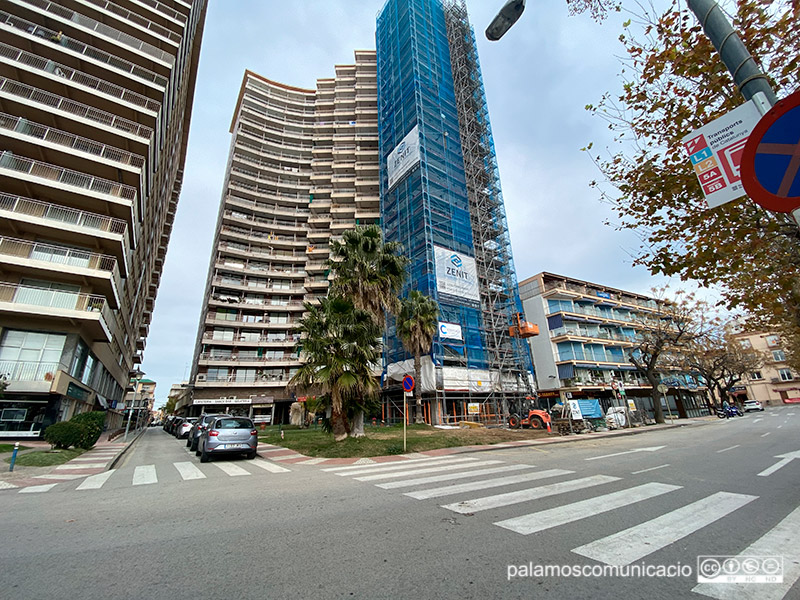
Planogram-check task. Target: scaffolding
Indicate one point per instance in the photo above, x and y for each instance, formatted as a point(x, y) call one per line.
point(507, 356)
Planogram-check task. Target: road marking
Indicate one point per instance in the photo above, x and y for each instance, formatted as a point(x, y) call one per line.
point(231, 469)
point(791, 414)
point(90, 459)
point(486, 484)
point(781, 540)
point(779, 426)
point(313, 461)
point(402, 466)
point(726, 449)
point(469, 506)
point(650, 469)
point(560, 515)
point(757, 420)
point(268, 466)
point(650, 449)
point(450, 476)
point(395, 463)
point(95, 482)
point(438, 468)
point(60, 476)
point(189, 471)
point(34, 489)
point(787, 458)
point(144, 475)
point(637, 542)
point(93, 465)
point(4, 485)
point(766, 434)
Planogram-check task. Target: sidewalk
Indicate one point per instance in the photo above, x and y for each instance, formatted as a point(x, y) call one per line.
point(104, 455)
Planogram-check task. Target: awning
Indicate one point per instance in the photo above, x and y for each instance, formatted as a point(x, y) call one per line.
point(103, 402)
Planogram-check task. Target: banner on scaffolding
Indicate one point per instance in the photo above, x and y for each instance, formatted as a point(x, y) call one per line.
point(450, 331)
point(404, 156)
point(456, 274)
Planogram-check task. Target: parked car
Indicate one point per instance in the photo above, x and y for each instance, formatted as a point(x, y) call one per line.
point(752, 405)
point(167, 422)
point(184, 428)
point(176, 422)
point(226, 435)
point(198, 428)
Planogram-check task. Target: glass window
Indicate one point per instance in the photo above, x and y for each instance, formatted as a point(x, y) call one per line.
point(786, 374)
point(773, 340)
point(745, 344)
point(756, 375)
point(778, 355)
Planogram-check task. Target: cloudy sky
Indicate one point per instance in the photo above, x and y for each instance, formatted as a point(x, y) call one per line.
point(538, 79)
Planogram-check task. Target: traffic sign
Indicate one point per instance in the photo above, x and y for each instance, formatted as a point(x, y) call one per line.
point(408, 383)
point(662, 388)
point(771, 159)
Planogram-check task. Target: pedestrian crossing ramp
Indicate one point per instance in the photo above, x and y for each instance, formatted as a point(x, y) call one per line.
point(473, 486)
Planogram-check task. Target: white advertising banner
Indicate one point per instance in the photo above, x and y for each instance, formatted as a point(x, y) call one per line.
point(450, 331)
point(404, 156)
point(456, 274)
point(222, 401)
point(716, 153)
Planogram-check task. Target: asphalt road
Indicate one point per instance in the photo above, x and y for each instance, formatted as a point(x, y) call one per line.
point(478, 525)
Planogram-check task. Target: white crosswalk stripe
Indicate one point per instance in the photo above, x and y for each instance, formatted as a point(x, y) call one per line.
point(637, 542)
point(560, 515)
point(451, 476)
point(437, 469)
point(484, 484)
point(231, 469)
point(394, 464)
point(268, 466)
point(37, 488)
point(780, 541)
point(95, 482)
point(189, 471)
point(509, 498)
point(145, 475)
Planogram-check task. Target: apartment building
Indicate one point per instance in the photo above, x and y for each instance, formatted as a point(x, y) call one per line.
point(588, 332)
point(303, 168)
point(774, 382)
point(95, 104)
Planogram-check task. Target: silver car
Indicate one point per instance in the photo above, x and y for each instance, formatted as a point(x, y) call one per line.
point(199, 426)
point(228, 435)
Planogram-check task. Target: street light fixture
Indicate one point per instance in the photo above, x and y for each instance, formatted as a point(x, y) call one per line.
point(137, 375)
point(507, 16)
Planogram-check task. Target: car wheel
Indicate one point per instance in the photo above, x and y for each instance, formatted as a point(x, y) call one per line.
point(204, 457)
point(193, 445)
point(197, 452)
point(250, 455)
point(188, 443)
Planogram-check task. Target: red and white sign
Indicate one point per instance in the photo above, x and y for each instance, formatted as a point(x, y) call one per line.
point(716, 153)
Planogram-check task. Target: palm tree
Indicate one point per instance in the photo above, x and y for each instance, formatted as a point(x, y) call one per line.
point(339, 344)
point(416, 327)
point(370, 273)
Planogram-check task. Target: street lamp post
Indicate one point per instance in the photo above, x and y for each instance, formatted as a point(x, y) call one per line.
point(137, 376)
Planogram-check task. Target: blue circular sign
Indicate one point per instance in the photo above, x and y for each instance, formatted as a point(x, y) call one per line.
point(408, 383)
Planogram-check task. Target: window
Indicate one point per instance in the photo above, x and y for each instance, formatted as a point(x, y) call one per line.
point(756, 375)
point(778, 355)
point(745, 344)
point(786, 374)
point(773, 340)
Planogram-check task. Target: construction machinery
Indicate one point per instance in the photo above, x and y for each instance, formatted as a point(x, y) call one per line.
point(522, 329)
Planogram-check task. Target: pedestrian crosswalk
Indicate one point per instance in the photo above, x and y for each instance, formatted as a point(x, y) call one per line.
point(461, 479)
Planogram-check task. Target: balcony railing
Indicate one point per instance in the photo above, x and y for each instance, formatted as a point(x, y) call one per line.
point(61, 214)
point(79, 77)
point(18, 370)
point(30, 95)
point(239, 358)
point(83, 49)
point(157, 29)
point(102, 29)
point(69, 141)
point(49, 298)
point(66, 176)
point(289, 339)
point(166, 10)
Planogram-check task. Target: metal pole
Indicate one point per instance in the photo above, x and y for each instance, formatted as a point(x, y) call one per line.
point(130, 411)
point(14, 456)
point(405, 408)
point(741, 65)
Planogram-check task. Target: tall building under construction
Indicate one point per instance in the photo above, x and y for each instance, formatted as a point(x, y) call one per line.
point(441, 198)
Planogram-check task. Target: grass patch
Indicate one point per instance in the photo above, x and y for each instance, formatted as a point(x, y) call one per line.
point(381, 441)
point(10, 448)
point(47, 458)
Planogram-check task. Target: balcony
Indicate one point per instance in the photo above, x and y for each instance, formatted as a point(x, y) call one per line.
point(61, 72)
point(31, 304)
point(207, 358)
point(72, 225)
point(63, 263)
point(55, 104)
point(287, 342)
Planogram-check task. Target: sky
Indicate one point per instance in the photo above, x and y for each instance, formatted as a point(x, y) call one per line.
point(538, 79)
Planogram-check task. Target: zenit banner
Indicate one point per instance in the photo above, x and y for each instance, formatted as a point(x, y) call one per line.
point(456, 274)
point(404, 156)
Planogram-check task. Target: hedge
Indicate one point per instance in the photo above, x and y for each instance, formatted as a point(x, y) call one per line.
point(93, 422)
point(65, 434)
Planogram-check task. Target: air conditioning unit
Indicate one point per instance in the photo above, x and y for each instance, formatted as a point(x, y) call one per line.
point(201, 377)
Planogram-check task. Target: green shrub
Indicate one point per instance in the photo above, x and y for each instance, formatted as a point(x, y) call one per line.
point(64, 434)
point(93, 422)
point(394, 448)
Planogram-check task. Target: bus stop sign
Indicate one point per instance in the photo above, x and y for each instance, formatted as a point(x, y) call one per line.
point(771, 159)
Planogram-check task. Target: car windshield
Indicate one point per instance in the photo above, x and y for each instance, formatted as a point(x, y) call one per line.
point(234, 424)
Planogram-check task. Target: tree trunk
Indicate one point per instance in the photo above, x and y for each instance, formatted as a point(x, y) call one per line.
point(357, 424)
point(419, 419)
point(338, 425)
point(658, 413)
